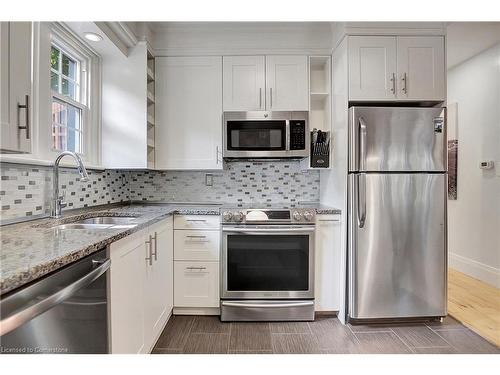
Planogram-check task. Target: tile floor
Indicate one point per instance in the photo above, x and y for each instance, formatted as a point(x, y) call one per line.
point(206, 334)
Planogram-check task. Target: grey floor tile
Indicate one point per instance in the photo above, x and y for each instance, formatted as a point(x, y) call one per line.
point(176, 332)
point(383, 327)
point(294, 343)
point(435, 350)
point(381, 342)
point(419, 336)
point(467, 342)
point(166, 351)
point(250, 352)
point(334, 336)
point(289, 327)
point(209, 324)
point(207, 343)
point(448, 323)
point(250, 336)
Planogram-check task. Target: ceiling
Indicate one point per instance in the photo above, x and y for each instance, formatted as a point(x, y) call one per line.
point(467, 39)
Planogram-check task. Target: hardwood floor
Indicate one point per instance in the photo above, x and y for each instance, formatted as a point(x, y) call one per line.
point(207, 334)
point(475, 304)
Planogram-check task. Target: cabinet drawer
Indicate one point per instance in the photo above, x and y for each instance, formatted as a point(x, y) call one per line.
point(196, 284)
point(196, 222)
point(196, 245)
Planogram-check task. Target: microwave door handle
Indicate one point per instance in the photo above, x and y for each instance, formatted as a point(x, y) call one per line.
point(287, 135)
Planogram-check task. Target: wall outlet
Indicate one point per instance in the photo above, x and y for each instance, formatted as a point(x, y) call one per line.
point(209, 179)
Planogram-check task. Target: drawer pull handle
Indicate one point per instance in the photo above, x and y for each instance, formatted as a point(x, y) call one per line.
point(196, 268)
point(192, 236)
point(197, 220)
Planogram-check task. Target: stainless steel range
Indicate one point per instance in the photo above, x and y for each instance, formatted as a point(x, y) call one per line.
point(267, 264)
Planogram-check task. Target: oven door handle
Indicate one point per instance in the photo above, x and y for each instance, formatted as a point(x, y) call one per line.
point(266, 305)
point(268, 230)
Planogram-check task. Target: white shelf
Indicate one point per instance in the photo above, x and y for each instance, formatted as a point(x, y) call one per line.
point(151, 98)
point(151, 75)
point(319, 95)
point(151, 120)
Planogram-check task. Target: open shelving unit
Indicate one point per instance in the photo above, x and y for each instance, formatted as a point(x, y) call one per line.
point(150, 122)
point(319, 99)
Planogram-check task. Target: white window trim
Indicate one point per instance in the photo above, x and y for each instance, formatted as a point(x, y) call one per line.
point(41, 153)
point(90, 84)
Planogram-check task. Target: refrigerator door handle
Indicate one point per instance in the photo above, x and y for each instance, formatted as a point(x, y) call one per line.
point(362, 144)
point(361, 203)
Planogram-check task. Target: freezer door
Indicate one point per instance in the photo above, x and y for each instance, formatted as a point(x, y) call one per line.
point(397, 253)
point(397, 139)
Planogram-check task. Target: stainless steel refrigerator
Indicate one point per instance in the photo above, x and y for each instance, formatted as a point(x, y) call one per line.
point(397, 251)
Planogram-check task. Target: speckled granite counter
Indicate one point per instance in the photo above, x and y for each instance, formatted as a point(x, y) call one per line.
point(35, 248)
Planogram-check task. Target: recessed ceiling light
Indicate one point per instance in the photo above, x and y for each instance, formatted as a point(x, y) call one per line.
point(92, 36)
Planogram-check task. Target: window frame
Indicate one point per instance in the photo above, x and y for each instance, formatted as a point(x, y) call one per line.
point(89, 91)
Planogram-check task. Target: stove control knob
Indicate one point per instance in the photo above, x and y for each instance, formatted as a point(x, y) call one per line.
point(308, 215)
point(238, 216)
point(297, 216)
point(227, 215)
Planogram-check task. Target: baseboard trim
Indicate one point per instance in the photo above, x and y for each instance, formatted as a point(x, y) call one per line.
point(196, 311)
point(473, 268)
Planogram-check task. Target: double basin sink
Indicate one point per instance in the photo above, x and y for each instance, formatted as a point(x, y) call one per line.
point(101, 222)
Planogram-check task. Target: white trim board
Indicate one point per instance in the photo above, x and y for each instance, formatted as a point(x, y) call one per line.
point(473, 268)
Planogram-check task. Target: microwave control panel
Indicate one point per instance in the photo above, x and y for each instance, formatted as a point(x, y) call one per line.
point(297, 135)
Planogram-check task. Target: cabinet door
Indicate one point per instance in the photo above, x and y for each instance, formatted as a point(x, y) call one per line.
point(196, 284)
point(15, 86)
point(244, 83)
point(287, 84)
point(127, 275)
point(421, 68)
point(158, 290)
point(188, 133)
point(372, 68)
point(327, 263)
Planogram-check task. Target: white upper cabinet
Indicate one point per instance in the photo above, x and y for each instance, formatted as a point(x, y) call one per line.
point(272, 83)
point(188, 112)
point(421, 68)
point(287, 87)
point(15, 86)
point(244, 83)
point(390, 68)
point(372, 68)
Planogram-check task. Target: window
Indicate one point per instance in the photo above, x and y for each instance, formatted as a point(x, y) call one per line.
point(68, 99)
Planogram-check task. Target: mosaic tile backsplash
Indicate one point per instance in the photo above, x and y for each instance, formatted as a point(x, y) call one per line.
point(239, 183)
point(27, 190)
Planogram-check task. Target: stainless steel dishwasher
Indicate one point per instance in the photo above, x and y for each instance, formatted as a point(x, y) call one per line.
point(65, 312)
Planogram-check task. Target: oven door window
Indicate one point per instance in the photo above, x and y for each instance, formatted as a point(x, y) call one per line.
point(256, 135)
point(268, 263)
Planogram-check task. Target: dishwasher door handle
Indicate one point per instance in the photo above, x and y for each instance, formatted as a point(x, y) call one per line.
point(17, 319)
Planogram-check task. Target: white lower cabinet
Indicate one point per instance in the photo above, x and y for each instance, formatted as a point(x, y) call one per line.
point(158, 289)
point(327, 263)
point(196, 264)
point(141, 288)
point(127, 276)
point(196, 284)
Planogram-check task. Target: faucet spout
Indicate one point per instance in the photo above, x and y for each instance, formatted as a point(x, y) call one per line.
point(57, 203)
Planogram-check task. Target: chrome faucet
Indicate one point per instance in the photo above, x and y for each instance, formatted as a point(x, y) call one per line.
point(57, 201)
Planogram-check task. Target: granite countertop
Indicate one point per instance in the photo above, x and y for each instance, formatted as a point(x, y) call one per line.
point(33, 249)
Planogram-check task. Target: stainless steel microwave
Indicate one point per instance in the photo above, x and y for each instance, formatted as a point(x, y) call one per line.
point(261, 134)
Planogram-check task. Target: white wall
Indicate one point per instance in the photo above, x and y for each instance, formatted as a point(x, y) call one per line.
point(474, 219)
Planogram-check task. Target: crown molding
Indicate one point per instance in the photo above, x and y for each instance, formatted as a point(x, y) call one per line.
point(120, 34)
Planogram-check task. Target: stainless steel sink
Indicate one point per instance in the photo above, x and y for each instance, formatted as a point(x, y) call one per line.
point(100, 222)
point(108, 220)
